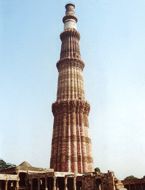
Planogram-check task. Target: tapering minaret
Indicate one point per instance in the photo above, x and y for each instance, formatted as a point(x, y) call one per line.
point(71, 145)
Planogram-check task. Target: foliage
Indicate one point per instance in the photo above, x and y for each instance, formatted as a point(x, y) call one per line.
point(131, 177)
point(4, 165)
point(97, 169)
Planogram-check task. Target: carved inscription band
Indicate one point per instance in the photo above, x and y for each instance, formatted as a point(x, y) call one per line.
point(71, 106)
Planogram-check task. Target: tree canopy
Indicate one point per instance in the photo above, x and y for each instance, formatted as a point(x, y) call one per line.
point(131, 177)
point(97, 169)
point(4, 165)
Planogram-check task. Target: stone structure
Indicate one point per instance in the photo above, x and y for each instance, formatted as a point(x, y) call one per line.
point(71, 144)
point(9, 182)
point(134, 184)
point(27, 177)
point(71, 156)
point(20, 177)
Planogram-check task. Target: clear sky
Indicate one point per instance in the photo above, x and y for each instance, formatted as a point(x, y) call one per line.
point(113, 49)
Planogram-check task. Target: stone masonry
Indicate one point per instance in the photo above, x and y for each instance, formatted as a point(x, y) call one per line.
point(71, 144)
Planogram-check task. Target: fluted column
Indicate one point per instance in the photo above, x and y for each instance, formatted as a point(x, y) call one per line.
point(71, 145)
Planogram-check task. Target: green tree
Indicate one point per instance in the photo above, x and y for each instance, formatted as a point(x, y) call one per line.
point(97, 170)
point(4, 165)
point(131, 177)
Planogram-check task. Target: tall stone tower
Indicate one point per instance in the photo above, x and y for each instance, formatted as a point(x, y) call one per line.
point(71, 145)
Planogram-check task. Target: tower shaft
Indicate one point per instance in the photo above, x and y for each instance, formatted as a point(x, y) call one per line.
point(71, 145)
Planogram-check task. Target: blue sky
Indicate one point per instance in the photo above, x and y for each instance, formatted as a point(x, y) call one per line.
point(112, 47)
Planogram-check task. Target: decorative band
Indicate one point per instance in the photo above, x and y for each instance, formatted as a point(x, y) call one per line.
point(70, 62)
point(72, 138)
point(70, 32)
point(64, 158)
point(70, 106)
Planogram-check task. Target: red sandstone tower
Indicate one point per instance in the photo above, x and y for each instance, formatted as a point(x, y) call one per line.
point(71, 145)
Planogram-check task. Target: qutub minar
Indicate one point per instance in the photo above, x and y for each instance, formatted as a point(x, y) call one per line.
point(71, 163)
point(71, 144)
